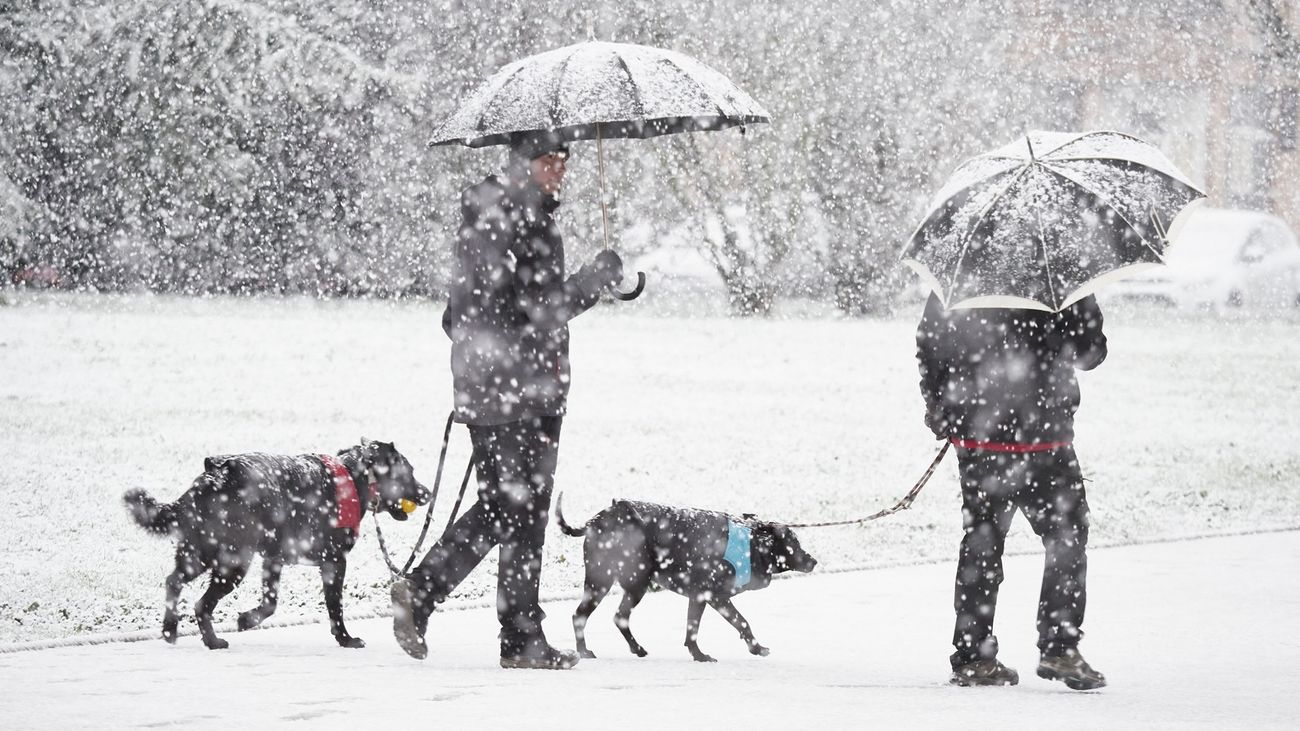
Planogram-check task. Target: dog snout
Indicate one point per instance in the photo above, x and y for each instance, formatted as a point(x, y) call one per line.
point(422, 494)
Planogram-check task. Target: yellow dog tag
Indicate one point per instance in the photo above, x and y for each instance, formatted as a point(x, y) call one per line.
point(408, 507)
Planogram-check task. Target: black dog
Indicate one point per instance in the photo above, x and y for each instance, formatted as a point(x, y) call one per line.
point(304, 509)
point(706, 556)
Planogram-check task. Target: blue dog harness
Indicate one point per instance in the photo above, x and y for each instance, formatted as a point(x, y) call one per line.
point(737, 553)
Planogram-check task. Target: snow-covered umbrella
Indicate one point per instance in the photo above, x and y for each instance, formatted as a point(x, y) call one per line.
point(1044, 221)
point(598, 90)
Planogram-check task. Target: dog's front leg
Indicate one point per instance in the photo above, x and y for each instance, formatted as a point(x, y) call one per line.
point(332, 573)
point(695, 612)
point(271, 567)
point(737, 620)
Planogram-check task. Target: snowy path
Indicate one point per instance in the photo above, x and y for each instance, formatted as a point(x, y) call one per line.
point(789, 419)
point(1191, 634)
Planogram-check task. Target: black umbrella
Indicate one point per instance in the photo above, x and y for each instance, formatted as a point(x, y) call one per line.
point(599, 90)
point(1042, 222)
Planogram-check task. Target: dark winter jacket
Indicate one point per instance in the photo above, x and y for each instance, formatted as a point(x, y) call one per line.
point(509, 305)
point(1003, 375)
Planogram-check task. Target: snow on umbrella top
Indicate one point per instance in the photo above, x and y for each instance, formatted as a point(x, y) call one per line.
point(629, 90)
point(1042, 222)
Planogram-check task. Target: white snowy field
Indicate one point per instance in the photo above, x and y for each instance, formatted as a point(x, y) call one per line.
point(1190, 634)
point(1188, 429)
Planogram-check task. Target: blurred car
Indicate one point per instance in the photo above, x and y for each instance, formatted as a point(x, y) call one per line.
point(1224, 258)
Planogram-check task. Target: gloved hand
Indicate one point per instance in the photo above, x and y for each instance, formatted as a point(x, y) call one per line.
point(937, 421)
point(609, 268)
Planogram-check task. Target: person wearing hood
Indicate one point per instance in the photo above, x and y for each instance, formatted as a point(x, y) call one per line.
point(507, 316)
point(1000, 385)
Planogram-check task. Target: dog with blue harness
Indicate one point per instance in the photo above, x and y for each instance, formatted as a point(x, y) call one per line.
point(709, 557)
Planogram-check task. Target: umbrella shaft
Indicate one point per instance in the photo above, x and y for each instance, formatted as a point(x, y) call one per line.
point(600, 166)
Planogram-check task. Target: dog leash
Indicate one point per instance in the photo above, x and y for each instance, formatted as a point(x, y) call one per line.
point(903, 504)
point(428, 519)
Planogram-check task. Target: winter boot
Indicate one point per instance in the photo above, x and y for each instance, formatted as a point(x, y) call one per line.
point(537, 654)
point(984, 672)
point(409, 620)
point(1070, 668)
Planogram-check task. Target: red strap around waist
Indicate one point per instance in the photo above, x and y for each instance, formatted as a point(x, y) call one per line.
point(1008, 446)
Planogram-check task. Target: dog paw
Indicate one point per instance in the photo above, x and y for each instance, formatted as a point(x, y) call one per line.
point(759, 650)
point(351, 642)
point(169, 636)
point(703, 658)
point(586, 654)
point(216, 644)
point(247, 621)
point(639, 651)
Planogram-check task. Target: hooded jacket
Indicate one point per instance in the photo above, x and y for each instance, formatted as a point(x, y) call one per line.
point(1006, 375)
point(509, 303)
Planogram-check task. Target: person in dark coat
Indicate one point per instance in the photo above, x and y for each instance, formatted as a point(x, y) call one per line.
point(507, 316)
point(1000, 385)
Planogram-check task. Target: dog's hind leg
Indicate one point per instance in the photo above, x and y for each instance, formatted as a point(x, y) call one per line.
point(631, 597)
point(694, 613)
point(188, 567)
point(271, 567)
point(737, 620)
point(593, 591)
point(332, 573)
point(224, 580)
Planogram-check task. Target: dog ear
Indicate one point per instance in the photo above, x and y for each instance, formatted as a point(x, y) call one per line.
point(632, 511)
point(369, 449)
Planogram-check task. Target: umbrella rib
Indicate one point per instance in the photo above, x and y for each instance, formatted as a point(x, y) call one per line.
point(1113, 158)
point(1047, 260)
point(970, 232)
point(1041, 155)
point(686, 75)
point(1105, 202)
point(487, 106)
point(638, 105)
point(1066, 144)
point(942, 203)
point(555, 92)
point(1179, 178)
point(1096, 132)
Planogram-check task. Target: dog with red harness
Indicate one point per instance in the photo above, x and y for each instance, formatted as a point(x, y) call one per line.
point(290, 509)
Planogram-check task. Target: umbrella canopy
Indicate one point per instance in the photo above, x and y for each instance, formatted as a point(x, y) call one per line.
point(599, 90)
point(1044, 221)
point(616, 89)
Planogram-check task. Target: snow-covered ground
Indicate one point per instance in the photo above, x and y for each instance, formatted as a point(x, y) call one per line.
point(1188, 429)
point(1190, 634)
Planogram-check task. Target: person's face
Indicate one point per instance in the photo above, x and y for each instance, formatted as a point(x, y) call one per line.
point(548, 171)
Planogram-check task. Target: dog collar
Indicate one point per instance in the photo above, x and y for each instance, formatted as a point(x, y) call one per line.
point(348, 499)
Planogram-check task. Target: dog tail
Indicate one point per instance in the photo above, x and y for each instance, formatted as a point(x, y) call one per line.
point(565, 528)
point(151, 516)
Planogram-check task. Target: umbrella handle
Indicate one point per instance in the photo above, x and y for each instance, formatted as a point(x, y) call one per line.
point(604, 220)
point(636, 291)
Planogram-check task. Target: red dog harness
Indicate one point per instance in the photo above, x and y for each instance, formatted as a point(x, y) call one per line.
point(346, 494)
point(1008, 446)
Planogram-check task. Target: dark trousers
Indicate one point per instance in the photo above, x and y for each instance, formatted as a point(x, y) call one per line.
point(515, 463)
point(1048, 488)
